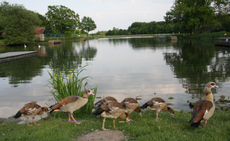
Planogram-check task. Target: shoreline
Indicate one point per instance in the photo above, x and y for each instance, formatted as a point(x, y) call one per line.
point(22, 120)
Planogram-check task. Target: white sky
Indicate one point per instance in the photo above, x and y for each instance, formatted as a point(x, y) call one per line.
point(106, 13)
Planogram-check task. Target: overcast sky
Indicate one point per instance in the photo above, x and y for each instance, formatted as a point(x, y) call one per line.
point(106, 13)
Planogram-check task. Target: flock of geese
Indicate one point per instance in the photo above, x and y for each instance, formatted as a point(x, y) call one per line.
point(109, 107)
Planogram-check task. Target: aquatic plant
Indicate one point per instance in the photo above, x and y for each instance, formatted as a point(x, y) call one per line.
point(70, 83)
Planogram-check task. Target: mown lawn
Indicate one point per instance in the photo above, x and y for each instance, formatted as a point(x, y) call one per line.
point(141, 129)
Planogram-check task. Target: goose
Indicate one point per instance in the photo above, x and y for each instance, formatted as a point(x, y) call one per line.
point(31, 110)
point(204, 108)
point(71, 104)
point(112, 110)
point(132, 105)
point(104, 100)
point(157, 104)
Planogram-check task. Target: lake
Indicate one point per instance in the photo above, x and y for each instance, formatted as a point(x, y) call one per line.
point(120, 67)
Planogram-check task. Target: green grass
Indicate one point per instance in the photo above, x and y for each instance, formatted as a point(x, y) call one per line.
point(145, 128)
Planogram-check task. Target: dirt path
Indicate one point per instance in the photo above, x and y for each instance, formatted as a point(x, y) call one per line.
point(108, 135)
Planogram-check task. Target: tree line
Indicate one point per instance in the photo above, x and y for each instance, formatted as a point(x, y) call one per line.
point(186, 16)
point(17, 24)
point(146, 28)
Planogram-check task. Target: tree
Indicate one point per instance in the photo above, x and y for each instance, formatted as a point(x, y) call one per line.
point(150, 28)
point(221, 8)
point(44, 21)
point(87, 24)
point(193, 15)
point(62, 19)
point(17, 23)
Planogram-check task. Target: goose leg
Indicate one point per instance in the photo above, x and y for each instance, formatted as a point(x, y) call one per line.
point(34, 121)
point(74, 119)
point(156, 115)
point(141, 114)
point(27, 121)
point(103, 124)
point(205, 123)
point(69, 118)
point(114, 123)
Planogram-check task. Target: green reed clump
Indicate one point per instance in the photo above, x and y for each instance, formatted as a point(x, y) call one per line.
point(69, 84)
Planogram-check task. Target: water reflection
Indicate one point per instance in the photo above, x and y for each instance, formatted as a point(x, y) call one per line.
point(196, 63)
point(25, 80)
point(120, 67)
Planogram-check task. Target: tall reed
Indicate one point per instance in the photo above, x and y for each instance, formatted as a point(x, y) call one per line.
point(70, 83)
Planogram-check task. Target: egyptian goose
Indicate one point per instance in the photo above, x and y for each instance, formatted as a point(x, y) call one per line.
point(71, 104)
point(103, 101)
point(112, 110)
point(132, 105)
point(31, 110)
point(204, 109)
point(157, 104)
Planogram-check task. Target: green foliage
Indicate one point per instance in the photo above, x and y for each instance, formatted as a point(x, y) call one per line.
point(193, 15)
point(62, 19)
point(101, 33)
point(1, 42)
point(44, 21)
point(17, 23)
point(214, 35)
point(69, 85)
point(151, 28)
point(225, 20)
point(68, 34)
point(117, 31)
point(145, 128)
point(87, 24)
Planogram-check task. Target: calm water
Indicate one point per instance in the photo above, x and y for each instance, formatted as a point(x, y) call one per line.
point(120, 67)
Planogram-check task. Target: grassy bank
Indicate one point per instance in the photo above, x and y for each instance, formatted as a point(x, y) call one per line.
point(146, 128)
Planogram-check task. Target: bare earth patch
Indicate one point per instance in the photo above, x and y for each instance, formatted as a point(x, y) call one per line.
point(108, 135)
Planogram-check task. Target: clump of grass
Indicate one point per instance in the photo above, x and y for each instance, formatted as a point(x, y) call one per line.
point(69, 84)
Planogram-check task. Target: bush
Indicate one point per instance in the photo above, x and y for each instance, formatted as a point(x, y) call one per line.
point(68, 34)
point(69, 85)
point(213, 35)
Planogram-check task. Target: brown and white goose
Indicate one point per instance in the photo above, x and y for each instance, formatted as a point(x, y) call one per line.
point(71, 104)
point(132, 105)
point(204, 109)
point(103, 101)
point(31, 110)
point(157, 104)
point(112, 110)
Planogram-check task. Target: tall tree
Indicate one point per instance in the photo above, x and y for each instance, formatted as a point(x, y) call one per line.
point(193, 15)
point(62, 19)
point(44, 21)
point(87, 24)
point(222, 10)
point(17, 23)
